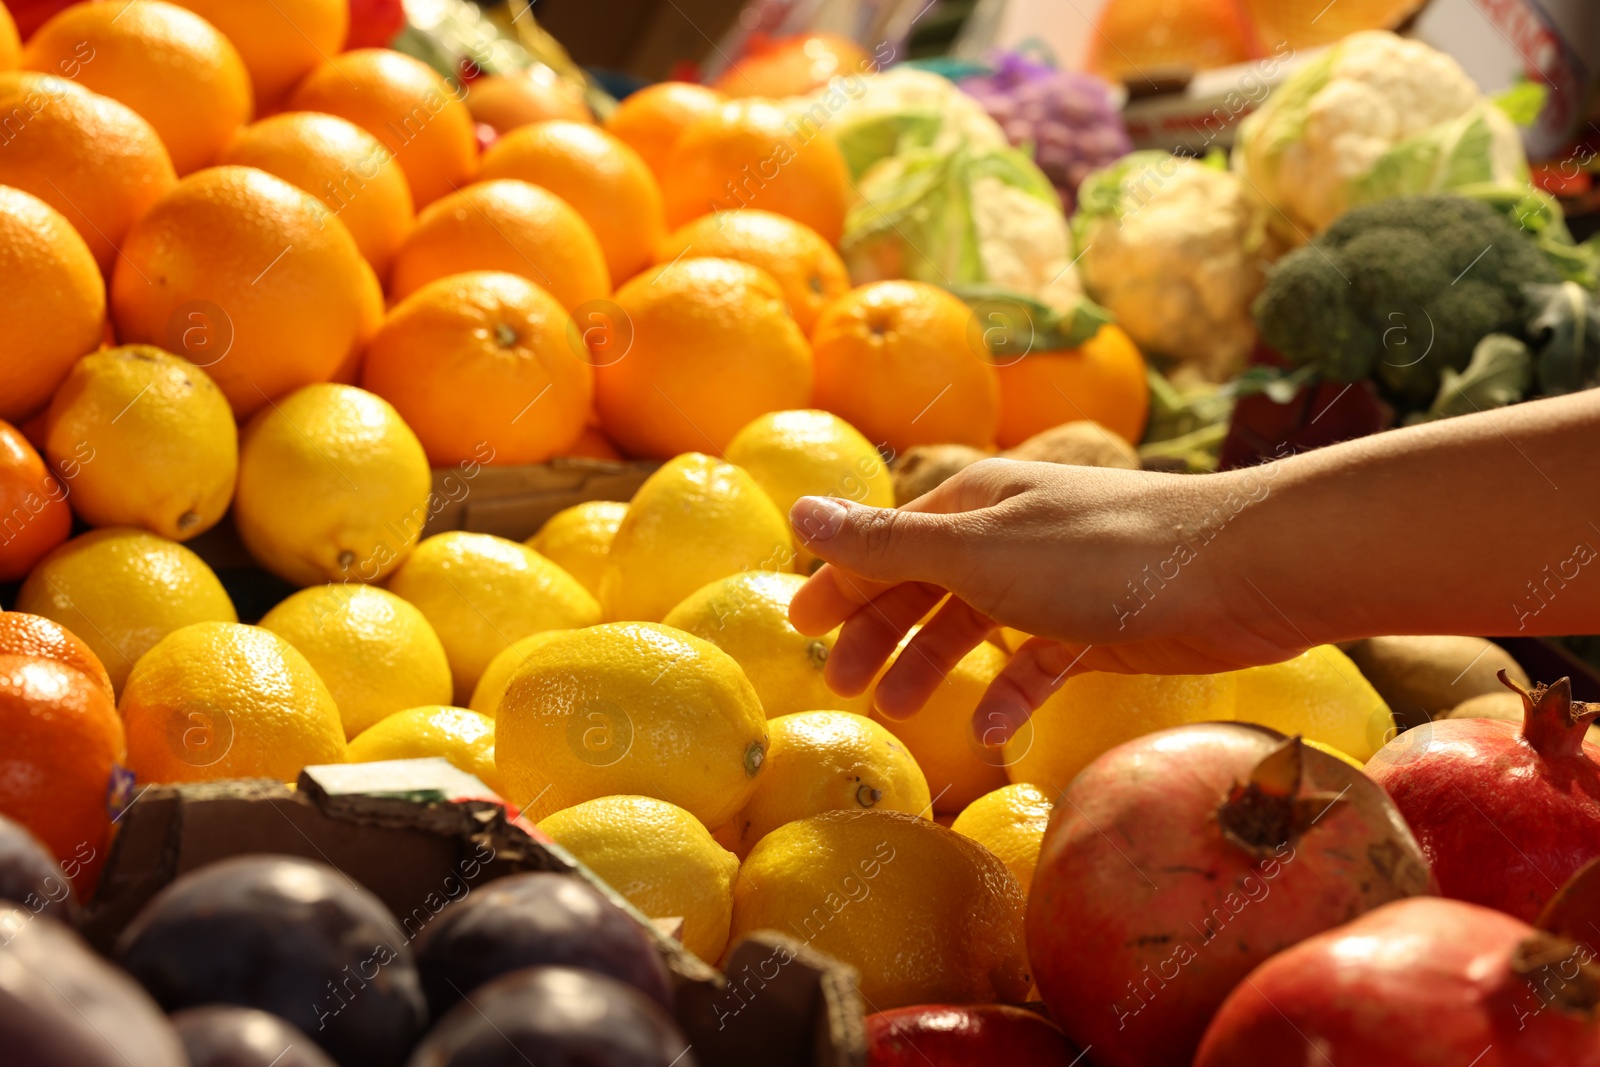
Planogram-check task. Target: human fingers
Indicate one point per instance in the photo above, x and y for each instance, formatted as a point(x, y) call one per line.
point(1035, 671)
point(870, 636)
point(928, 659)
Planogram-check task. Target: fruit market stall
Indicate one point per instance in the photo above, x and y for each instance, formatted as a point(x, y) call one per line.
point(402, 406)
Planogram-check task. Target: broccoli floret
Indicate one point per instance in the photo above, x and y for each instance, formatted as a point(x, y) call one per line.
point(1400, 290)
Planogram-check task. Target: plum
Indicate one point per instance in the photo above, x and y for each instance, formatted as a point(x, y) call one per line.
point(30, 876)
point(288, 936)
point(224, 1035)
point(63, 1006)
point(533, 919)
point(555, 1017)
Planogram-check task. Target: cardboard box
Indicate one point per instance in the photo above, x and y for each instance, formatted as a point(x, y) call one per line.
point(513, 502)
point(412, 832)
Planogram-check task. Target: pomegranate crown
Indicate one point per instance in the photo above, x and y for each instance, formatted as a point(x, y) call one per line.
point(1552, 722)
point(1271, 809)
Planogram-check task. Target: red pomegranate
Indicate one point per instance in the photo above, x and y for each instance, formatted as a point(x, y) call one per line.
point(969, 1035)
point(1417, 983)
point(1177, 862)
point(1505, 813)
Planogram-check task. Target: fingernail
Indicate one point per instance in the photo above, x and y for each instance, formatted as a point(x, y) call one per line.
point(816, 518)
point(995, 721)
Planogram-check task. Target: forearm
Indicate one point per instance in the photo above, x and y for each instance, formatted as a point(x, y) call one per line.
point(1485, 524)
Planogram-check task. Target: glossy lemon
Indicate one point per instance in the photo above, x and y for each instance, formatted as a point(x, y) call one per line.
point(492, 682)
point(660, 858)
point(375, 652)
point(578, 538)
point(463, 737)
point(1010, 822)
point(1320, 695)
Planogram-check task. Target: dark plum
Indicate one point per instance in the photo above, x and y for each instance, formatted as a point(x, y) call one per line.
point(291, 937)
point(225, 1035)
point(531, 920)
point(30, 876)
point(555, 1017)
point(63, 1006)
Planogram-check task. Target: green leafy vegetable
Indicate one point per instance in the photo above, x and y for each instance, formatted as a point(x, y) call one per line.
point(1565, 329)
point(1500, 372)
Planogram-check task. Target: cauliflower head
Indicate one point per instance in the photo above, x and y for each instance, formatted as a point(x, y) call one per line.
point(1175, 248)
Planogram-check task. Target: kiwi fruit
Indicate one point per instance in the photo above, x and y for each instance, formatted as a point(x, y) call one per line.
point(1422, 677)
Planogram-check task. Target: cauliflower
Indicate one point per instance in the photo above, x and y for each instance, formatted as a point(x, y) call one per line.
point(1175, 248)
point(1375, 116)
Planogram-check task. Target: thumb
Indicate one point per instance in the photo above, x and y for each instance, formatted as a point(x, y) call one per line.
point(880, 544)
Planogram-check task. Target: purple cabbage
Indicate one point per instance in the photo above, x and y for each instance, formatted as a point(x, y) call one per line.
point(1068, 118)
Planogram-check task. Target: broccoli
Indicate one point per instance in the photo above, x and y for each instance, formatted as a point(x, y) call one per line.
point(1400, 290)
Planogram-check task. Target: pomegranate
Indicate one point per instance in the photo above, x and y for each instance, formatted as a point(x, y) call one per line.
point(1417, 983)
point(969, 1035)
point(1505, 813)
point(1180, 860)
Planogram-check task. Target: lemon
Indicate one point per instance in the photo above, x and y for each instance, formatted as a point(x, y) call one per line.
point(333, 486)
point(694, 520)
point(940, 737)
point(221, 700)
point(747, 616)
point(1011, 639)
point(463, 737)
point(829, 761)
point(578, 538)
point(925, 915)
point(375, 652)
point(144, 439)
point(634, 708)
point(792, 454)
point(492, 682)
point(121, 591)
point(1320, 695)
point(481, 593)
point(1010, 822)
point(1097, 711)
point(660, 858)
point(1312, 742)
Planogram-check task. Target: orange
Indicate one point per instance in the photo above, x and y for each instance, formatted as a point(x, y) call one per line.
point(810, 272)
point(1103, 380)
point(899, 361)
point(651, 120)
point(170, 65)
point(794, 66)
point(483, 357)
point(248, 277)
point(10, 43)
point(418, 115)
point(508, 226)
point(340, 164)
point(603, 179)
point(280, 41)
point(1135, 36)
point(86, 155)
point(592, 443)
point(505, 101)
point(52, 302)
point(34, 516)
point(712, 346)
point(22, 634)
point(63, 741)
point(746, 155)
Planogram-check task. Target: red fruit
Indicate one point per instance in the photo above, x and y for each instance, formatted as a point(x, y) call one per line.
point(1505, 813)
point(34, 516)
point(375, 23)
point(1179, 861)
point(971, 1035)
point(1416, 983)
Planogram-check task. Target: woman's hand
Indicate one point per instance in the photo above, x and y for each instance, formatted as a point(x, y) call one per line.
point(1113, 570)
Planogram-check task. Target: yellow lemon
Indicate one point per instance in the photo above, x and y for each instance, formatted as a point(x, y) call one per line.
point(1097, 711)
point(221, 700)
point(123, 590)
point(1010, 822)
point(940, 737)
point(578, 538)
point(747, 616)
point(492, 682)
point(792, 454)
point(333, 486)
point(149, 440)
point(374, 651)
point(821, 761)
point(1312, 742)
point(634, 708)
point(658, 856)
point(481, 593)
point(694, 520)
point(925, 915)
point(1320, 695)
point(463, 737)
point(1011, 639)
